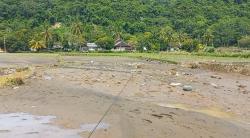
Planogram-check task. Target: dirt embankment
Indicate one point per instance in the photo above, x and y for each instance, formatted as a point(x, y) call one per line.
point(241, 68)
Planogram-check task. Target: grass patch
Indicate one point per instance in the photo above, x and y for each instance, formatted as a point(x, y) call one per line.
point(172, 57)
point(16, 78)
point(146, 56)
point(225, 54)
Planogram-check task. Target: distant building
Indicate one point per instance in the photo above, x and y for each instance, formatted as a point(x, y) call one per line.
point(120, 45)
point(33, 49)
point(57, 46)
point(92, 46)
point(89, 47)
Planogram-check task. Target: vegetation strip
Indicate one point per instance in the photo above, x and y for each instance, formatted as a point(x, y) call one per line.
point(79, 25)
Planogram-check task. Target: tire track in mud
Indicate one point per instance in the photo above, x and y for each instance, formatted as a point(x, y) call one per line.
point(110, 107)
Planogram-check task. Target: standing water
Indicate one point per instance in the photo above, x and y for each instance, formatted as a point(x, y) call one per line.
point(23, 125)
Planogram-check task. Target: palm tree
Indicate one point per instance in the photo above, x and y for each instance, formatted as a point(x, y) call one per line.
point(6, 32)
point(47, 35)
point(36, 44)
point(208, 38)
point(181, 38)
point(133, 41)
point(76, 28)
point(116, 30)
point(77, 33)
point(166, 34)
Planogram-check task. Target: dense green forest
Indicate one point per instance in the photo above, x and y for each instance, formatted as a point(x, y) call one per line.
point(155, 24)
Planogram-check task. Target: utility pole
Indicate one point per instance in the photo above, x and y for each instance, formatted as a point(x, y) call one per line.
point(4, 43)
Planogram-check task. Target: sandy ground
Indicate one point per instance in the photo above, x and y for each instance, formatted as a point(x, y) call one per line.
point(79, 90)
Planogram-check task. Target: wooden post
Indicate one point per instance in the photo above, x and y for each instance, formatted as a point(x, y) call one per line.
point(4, 43)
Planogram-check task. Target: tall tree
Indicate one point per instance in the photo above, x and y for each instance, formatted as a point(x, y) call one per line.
point(47, 35)
point(77, 34)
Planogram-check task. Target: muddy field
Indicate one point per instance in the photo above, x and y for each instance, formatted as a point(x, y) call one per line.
point(68, 96)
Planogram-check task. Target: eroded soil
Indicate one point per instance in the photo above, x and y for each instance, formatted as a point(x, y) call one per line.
point(152, 104)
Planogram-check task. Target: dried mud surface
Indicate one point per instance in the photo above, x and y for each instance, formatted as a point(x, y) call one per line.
point(153, 104)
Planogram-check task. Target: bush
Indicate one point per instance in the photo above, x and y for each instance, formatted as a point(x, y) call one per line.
point(245, 42)
point(15, 81)
point(200, 47)
point(106, 42)
point(210, 49)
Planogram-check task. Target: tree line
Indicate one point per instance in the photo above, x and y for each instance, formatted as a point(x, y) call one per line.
point(157, 25)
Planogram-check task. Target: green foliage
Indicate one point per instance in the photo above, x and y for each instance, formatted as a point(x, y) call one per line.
point(209, 49)
point(106, 42)
point(245, 42)
point(155, 25)
point(36, 44)
point(200, 47)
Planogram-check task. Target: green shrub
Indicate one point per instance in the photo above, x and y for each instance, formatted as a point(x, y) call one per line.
point(15, 81)
point(210, 49)
point(245, 42)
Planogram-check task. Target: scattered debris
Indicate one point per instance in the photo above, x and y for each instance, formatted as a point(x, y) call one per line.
point(173, 72)
point(168, 115)
point(137, 65)
point(187, 88)
point(16, 81)
point(9, 71)
point(149, 121)
point(136, 111)
point(177, 74)
point(193, 65)
point(245, 91)
point(47, 78)
point(157, 116)
point(15, 88)
point(187, 74)
point(242, 86)
point(143, 84)
point(216, 77)
point(22, 69)
point(175, 84)
point(214, 85)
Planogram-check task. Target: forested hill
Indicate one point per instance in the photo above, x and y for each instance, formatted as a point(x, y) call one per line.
point(155, 24)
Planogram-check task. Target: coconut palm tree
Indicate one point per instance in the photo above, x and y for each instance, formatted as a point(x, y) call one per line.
point(76, 28)
point(133, 41)
point(166, 34)
point(77, 33)
point(208, 38)
point(181, 37)
point(47, 35)
point(36, 44)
